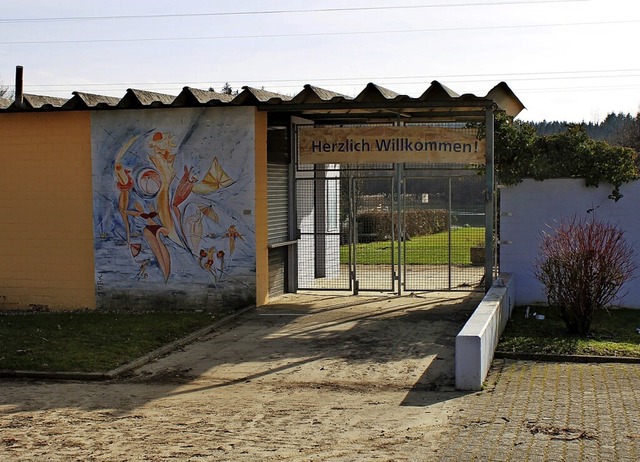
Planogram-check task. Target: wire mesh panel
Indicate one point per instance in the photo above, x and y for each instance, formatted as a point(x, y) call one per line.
point(468, 232)
point(324, 258)
point(375, 233)
point(355, 234)
point(443, 229)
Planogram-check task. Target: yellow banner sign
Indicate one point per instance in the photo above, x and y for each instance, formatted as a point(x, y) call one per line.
point(412, 144)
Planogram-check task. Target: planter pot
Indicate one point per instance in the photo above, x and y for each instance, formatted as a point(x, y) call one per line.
point(477, 256)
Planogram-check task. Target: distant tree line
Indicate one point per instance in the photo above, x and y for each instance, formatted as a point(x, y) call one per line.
point(617, 129)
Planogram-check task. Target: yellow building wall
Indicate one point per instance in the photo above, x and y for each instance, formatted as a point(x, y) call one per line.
point(262, 225)
point(46, 235)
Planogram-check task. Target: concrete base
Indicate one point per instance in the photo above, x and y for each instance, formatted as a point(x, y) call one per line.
point(478, 339)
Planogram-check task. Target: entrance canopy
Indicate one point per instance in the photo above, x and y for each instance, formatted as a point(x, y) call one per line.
point(378, 105)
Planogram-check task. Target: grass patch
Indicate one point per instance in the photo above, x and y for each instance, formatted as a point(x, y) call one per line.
point(422, 250)
point(613, 334)
point(89, 341)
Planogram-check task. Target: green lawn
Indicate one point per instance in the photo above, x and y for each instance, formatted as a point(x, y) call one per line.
point(89, 341)
point(422, 250)
point(613, 334)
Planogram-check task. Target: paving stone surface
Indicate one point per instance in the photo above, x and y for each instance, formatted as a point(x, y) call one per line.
point(534, 411)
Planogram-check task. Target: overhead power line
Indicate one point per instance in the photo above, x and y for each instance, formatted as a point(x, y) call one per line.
point(574, 89)
point(320, 34)
point(275, 12)
point(607, 85)
point(511, 76)
point(566, 89)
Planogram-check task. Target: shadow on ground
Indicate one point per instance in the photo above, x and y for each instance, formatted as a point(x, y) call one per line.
point(363, 344)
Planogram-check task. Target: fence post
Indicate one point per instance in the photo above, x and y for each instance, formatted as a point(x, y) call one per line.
point(489, 201)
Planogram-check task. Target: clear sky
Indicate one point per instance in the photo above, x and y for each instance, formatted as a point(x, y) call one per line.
point(574, 60)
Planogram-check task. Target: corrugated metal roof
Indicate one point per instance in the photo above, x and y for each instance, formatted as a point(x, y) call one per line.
point(142, 98)
point(250, 96)
point(373, 102)
point(42, 102)
point(437, 91)
point(376, 93)
point(315, 94)
point(88, 100)
point(506, 99)
point(194, 96)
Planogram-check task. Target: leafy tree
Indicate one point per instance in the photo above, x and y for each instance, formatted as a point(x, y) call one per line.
point(228, 90)
point(583, 266)
point(514, 145)
point(521, 153)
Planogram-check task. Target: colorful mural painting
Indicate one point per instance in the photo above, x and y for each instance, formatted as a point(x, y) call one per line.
point(173, 205)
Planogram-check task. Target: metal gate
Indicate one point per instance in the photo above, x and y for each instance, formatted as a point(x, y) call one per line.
point(391, 228)
point(444, 229)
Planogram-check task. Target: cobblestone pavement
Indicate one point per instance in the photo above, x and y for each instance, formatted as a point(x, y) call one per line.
point(534, 411)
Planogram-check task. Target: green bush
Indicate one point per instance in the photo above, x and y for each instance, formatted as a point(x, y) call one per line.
point(424, 222)
point(377, 225)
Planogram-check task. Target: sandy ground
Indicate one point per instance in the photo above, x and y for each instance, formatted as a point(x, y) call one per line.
point(309, 378)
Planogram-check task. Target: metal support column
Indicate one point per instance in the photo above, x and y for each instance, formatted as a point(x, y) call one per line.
point(489, 201)
point(294, 232)
point(399, 213)
point(400, 235)
point(353, 236)
point(449, 230)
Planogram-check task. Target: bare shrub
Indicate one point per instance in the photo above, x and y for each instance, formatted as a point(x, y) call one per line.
point(583, 265)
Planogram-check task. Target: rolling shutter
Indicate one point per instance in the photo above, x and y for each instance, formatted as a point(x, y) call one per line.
point(278, 222)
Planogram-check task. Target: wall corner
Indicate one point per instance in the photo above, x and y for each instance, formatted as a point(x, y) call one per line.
point(261, 208)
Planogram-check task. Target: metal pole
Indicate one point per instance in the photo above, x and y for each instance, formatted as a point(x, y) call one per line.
point(19, 93)
point(400, 210)
point(449, 230)
point(393, 209)
point(294, 232)
point(489, 201)
point(354, 234)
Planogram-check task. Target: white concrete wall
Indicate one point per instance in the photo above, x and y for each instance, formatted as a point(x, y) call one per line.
point(531, 206)
point(478, 339)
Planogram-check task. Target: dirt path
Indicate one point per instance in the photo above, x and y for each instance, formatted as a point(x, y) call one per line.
point(337, 378)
